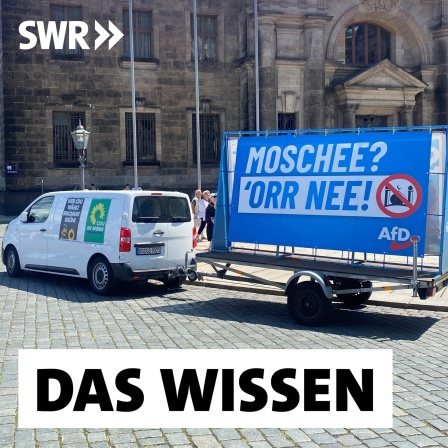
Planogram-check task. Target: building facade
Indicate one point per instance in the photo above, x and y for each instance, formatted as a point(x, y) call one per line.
point(322, 64)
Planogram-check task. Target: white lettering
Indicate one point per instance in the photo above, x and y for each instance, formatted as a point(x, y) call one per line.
point(403, 234)
point(300, 167)
point(32, 39)
point(52, 33)
point(255, 156)
point(323, 158)
point(384, 234)
point(354, 168)
point(75, 36)
point(339, 157)
point(272, 159)
point(290, 161)
point(395, 234)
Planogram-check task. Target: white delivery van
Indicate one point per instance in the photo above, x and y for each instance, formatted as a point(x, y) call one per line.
point(104, 236)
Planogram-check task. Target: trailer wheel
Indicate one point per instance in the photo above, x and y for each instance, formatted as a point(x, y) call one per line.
point(192, 275)
point(308, 304)
point(357, 298)
point(422, 293)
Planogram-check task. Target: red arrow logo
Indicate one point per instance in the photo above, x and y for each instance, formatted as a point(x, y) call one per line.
point(400, 246)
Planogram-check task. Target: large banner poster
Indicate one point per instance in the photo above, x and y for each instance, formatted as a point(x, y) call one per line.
point(70, 219)
point(96, 221)
point(362, 192)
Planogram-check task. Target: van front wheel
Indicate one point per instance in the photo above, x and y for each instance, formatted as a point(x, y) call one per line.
point(12, 262)
point(101, 277)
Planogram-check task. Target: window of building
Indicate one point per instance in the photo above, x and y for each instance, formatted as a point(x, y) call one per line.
point(370, 121)
point(64, 123)
point(209, 137)
point(146, 137)
point(143, 34)
point(207, 37)
point(366, 43)
point(59, 13)
point(286, 122)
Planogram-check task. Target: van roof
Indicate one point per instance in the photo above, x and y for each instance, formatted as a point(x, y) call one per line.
point(115, 192)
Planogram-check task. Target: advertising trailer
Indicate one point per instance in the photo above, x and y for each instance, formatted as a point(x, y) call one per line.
point(342, 207)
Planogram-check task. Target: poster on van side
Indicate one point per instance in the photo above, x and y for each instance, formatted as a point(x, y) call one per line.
point(364, 192)
point(96, 221)
point(70, 219)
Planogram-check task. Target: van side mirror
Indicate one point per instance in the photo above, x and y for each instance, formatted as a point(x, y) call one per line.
point(24, 216)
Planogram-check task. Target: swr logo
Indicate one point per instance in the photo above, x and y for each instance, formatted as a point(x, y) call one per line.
point(76, 29)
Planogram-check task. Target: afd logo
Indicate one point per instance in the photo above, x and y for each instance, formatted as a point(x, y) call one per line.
point(74, 30)
point(399, 237)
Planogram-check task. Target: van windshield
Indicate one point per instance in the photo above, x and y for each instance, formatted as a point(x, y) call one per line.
point(161, 209)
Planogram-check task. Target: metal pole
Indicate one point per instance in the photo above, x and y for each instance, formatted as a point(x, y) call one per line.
point(415, 240)
point(196, 84)
point(83, 165)
point(82, 158)
point(134, 115)
point(257, 86)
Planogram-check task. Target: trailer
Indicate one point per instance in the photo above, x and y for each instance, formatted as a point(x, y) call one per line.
point(347, 211)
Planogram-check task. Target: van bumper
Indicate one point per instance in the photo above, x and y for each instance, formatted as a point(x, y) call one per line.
point(123, 272)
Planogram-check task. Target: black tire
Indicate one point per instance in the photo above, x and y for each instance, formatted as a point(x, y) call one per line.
point(12, 262)
point(101, 277)
point(422, 293)
point(355, 299)
point(192, 276)
point(308, 304)
point(174, 283)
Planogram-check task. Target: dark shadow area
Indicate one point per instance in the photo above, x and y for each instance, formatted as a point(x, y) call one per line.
point(363, 322)
point(78, 290)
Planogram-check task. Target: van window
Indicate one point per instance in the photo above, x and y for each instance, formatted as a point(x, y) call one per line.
point(147, 209)
point(39, 211)
point(162, 209)
point(178, 209)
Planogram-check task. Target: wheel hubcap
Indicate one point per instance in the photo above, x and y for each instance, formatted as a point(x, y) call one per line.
point(100, 276)
point(11, 261)
point(308, 304)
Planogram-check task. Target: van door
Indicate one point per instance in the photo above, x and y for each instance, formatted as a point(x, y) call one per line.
point(149, 233)
point(67, 254)
point(33, 239)
point(180, 230)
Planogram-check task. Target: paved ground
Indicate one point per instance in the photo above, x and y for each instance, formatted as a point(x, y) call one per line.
point(40, 311)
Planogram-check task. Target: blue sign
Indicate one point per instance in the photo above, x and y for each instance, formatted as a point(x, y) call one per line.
point(362, 192)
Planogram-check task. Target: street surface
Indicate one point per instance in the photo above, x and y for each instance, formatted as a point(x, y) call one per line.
point(43, 311)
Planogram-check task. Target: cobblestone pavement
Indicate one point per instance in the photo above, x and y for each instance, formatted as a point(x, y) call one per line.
point(42, 311)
